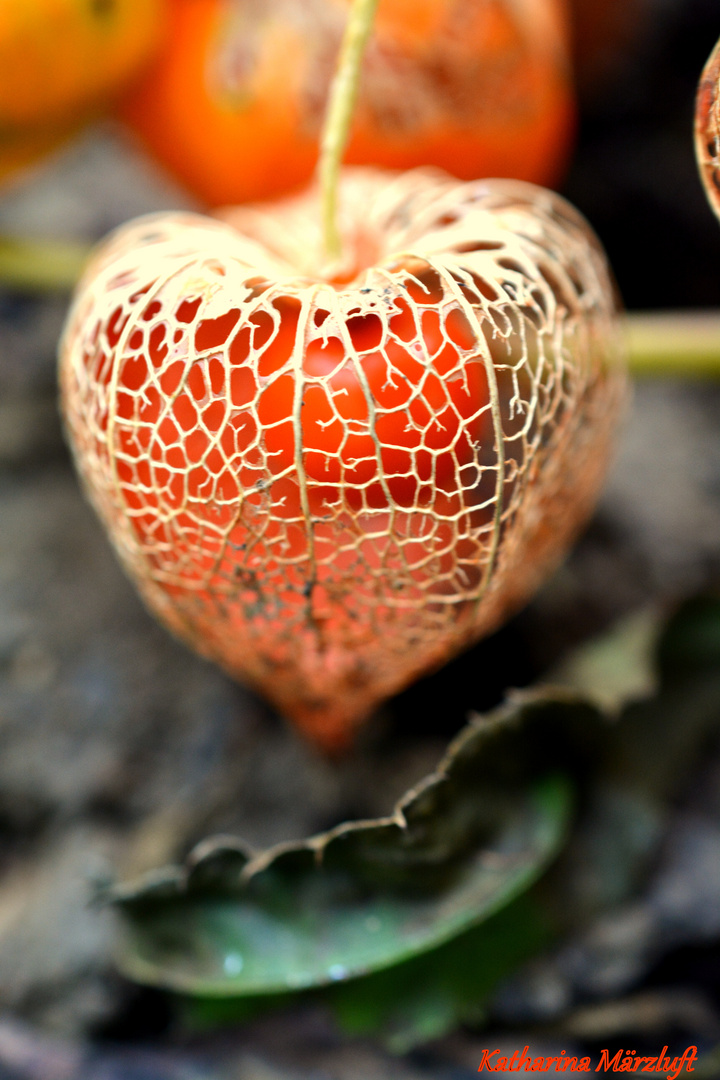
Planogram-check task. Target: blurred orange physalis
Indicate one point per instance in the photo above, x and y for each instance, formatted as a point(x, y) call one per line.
point(330, 479)
point(235, 102)
point(61, 62)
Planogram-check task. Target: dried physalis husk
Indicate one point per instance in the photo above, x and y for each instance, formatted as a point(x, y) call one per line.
point(331, 479)
point(707, 128)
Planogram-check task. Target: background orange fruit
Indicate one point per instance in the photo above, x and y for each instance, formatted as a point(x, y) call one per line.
point(61, 62)
point(234, 104)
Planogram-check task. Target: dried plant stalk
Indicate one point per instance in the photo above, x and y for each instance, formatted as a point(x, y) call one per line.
point(331, 479)
point(707, 128)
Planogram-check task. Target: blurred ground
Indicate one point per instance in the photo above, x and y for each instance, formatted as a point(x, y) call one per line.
point(119, 750)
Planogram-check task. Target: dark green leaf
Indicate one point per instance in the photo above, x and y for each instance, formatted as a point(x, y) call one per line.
point(431, 994)
point(368, 895)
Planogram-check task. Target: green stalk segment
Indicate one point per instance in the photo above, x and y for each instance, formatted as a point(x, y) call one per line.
point(41, 265)
point(336, 128)
point(685, 344)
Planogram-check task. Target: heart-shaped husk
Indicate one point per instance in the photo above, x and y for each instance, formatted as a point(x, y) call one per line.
point(332, 479)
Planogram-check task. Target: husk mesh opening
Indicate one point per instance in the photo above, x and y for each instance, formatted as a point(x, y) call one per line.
point(330, 479)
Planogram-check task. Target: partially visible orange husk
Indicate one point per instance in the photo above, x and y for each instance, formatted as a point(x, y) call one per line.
point(234, 104)
point(62, 62)
point(330, 479)
point(707, 129)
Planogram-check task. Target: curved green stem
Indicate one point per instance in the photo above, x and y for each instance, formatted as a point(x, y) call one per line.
point(336, 128)
point(41, 265)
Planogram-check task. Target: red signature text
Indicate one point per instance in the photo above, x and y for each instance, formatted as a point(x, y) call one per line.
point(622, 1061)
